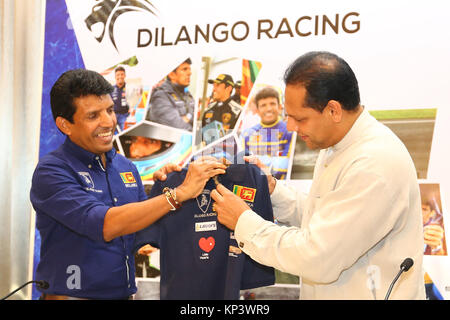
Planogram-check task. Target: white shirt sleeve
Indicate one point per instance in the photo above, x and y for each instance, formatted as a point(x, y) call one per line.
point(346, 223)
point(288, 204)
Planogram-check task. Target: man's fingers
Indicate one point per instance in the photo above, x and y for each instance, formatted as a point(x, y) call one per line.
point(434, 230)
point(171, 167)
point(214, 172)
point(219, 193)
point(216, 196)
point(212, 169)
point(210, 160)
point(161, 174)
point(252, 160)
point(256, 161)
point(221, 188)
point(225, 161)
point(206, 159)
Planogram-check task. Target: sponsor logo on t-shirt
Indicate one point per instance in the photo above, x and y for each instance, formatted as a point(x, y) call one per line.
point(205, 226)
point(206, 244)
point(203, 200)
point(245, 193)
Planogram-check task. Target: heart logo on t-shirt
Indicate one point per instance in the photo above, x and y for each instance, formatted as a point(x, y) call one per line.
point(206, 244)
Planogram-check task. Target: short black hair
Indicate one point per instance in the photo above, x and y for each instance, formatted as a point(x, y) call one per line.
point(119, 68)
point(267, 92)
point(74, 84)
point(325, 77)
point(188, 61)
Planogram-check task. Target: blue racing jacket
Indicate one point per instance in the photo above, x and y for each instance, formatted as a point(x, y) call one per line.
point(71, 193)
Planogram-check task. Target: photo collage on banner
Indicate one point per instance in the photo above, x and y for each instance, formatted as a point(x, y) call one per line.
point(185, 86)
point(435, 243)
point(156, 125)
point(170, 120)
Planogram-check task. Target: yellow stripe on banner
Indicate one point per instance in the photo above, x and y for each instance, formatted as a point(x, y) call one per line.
point(279, 169)
point(246, 71)
point(266, 143)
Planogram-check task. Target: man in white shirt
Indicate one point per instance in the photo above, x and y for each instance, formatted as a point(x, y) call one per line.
point(362, 216)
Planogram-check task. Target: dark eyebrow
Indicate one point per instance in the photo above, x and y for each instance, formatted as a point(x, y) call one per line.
point(298, 119)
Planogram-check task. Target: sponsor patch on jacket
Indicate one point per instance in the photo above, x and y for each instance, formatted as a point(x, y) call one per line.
point(245, 193)
point(205, 226)
point(89, 182)
point(128, 179)
point(87, 179)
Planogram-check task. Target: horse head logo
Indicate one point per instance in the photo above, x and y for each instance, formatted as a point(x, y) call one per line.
point(106, 12)
point(204, 200)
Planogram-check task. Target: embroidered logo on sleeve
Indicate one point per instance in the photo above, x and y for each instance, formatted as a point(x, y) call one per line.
point(89, 182)
point(245, 193)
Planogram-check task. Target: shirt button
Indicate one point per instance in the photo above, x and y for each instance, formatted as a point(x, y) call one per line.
point(115, 199)
point(241, 245)
point(96, 158)
point(89, 166)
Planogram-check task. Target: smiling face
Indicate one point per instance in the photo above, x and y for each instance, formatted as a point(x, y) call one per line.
point(94, 123)
point(311, 125)
point(268, 110)
point(120, 78)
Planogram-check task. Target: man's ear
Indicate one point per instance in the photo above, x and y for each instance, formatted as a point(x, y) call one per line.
point(334, 108)
point(63, 125)
point(171, 76)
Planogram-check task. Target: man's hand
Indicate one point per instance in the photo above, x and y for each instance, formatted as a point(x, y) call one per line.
point(185, 119)
point(198, 174)
point(228, 206)
point(162, 173)
point(271, 181)
point(147, 250)
point(433, 235)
